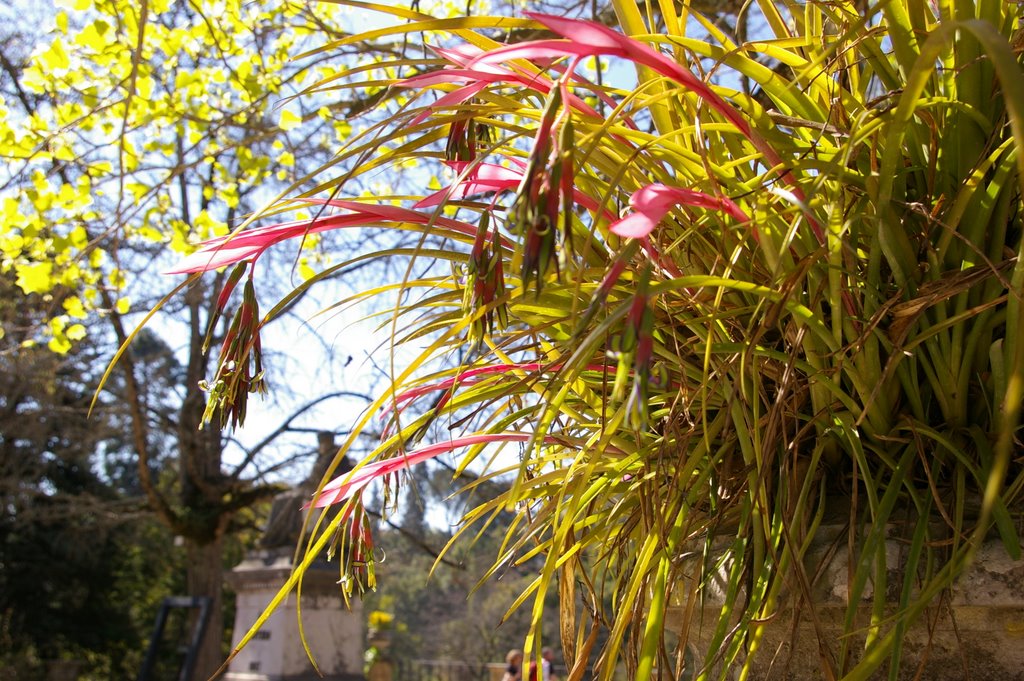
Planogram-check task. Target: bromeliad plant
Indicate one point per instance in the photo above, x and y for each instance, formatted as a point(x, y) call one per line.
point(701, 312)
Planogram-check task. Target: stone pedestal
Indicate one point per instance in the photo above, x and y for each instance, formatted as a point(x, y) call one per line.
point(976, 631)
point(334, 634)
point(63, 670)
point(382, 670)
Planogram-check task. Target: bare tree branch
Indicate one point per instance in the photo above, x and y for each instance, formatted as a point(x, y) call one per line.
point(286, 426)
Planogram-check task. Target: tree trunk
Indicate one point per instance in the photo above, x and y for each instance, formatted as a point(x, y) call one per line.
point(199, 461)
point(205, 578)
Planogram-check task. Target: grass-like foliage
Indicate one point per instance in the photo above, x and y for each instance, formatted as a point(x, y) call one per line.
point(764, 282)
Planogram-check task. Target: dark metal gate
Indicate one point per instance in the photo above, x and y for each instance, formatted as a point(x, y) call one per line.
point(440, 670)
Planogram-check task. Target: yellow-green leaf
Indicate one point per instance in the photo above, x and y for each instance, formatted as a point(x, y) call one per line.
point(36, 277)
point(289, 120)
point(77, 5)
point(75, 332)
point(55, 58)
point(59, 345)
point(74, 307)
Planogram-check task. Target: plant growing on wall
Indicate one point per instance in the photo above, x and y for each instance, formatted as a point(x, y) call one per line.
point(762, 276)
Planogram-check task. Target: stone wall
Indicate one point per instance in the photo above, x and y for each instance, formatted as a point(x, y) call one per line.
point(974, 631)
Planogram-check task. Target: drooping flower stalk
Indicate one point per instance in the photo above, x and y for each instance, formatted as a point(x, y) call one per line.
point(484, 293)
point(240, 364)
point(464, 138)
point(542, 209)
point(635, 350)
point(354, 544)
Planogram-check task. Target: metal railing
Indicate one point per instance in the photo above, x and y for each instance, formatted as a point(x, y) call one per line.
point(442, 670)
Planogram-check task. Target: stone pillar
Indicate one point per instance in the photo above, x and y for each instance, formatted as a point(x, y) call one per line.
point(334, 633)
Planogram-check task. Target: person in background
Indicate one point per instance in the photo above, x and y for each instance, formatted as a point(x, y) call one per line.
point(513, 666)
point(547, 660)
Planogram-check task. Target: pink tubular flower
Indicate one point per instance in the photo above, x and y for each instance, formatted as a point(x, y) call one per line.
point(483, 178)
point(651, 203)
point(249, 244)
point(590, 39)
point(475, 75)
point(483, 298)
point(475, 375)
point(490, 177)
point(351, 484)
point(240, 364)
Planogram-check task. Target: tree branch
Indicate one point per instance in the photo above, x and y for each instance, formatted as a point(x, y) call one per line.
point(140, 435)
point(287, 427)
point(418, 542)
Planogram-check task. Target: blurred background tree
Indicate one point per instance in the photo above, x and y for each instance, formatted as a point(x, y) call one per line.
point(130, 131)
point(78, 578)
